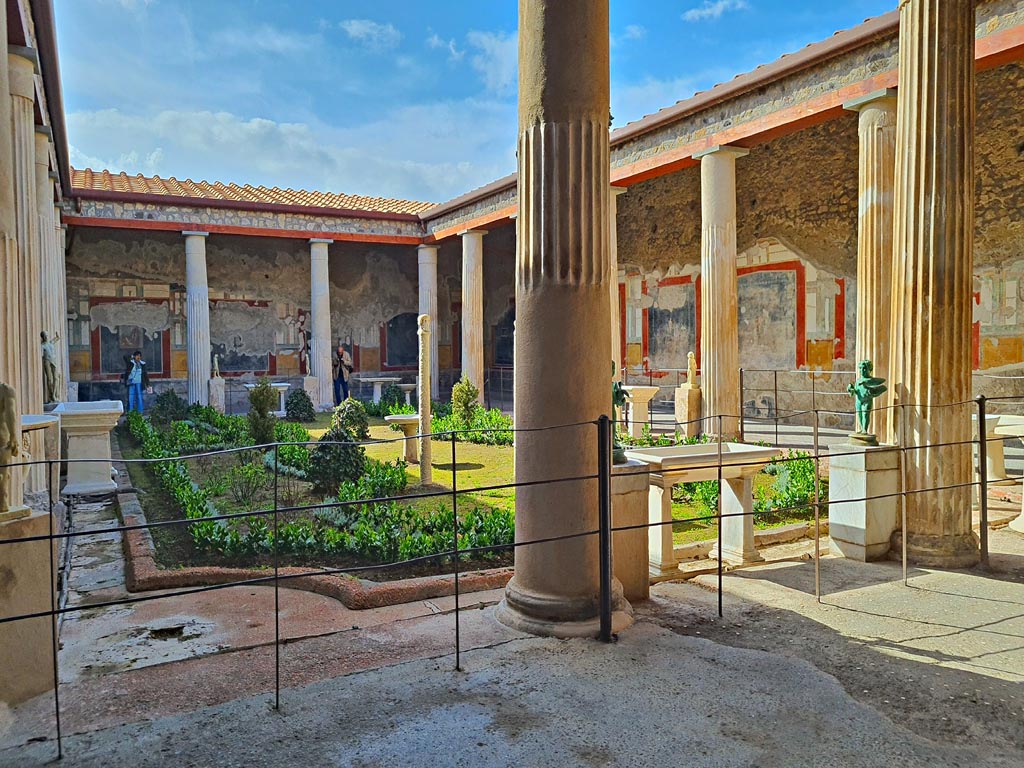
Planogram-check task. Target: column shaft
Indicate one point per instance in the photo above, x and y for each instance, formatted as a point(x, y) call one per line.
point(473, 308)
point(60, 234)
point(197, 306)
point(719, 344)
point(930, 364)
point(427, 257)
point(320, 308)
point(613, 279)
point(877, 163)
point(562, 307)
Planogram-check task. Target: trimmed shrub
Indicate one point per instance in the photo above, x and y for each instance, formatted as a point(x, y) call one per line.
point(351, 417)
point(298, 406)
point(464, 400)
point(262, 400)
point(337, 458)
point(169, 407)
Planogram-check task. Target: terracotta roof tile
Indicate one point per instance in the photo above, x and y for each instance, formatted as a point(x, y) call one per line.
point(88, 180)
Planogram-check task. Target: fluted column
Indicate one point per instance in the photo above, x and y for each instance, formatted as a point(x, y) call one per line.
point(930, 365)
point(197, 307)
point(877, 162)
point(47, 278)
point(473, 308)
point(562, 328)
point(719, 312)
point(613, 279)
point(60, 233)
point(427, 256)
point(22, 87)
point(320, 308)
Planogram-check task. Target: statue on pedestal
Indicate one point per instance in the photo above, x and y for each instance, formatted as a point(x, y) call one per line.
point(691, 370)
point(619, 398)
point(9, 447)
point(864, 391)
point(216, 367)
point(51, 378)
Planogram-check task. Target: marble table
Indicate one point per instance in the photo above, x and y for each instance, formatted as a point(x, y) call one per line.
point(691, 463)
point(408, 389)
point(378, 383)
point(640, 397)
point(88, 427)
point(410, 423)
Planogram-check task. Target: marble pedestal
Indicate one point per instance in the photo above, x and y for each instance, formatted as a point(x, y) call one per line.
point(860, 523)
point(687, 411)
point(630, 548)
point(50, 428)
point(639, 406)
point(27, 575)
point(218, 395)
point(72, 392)
point(410, 426)
point(311, 386)
point(88, 427)
point(407, 389)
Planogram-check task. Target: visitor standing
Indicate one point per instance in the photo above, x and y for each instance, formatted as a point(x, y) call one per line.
point(342, 369)
point(137, 380)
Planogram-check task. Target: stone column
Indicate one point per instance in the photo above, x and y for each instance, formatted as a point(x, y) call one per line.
point(60, 244)
point(473, 308)
point(22, 62)
point(44, 206)
point(613, 279)
point(930, 362)
point(320, 309)
point(423, 393)
point(562, 327)
point(719, 343)
point(197, 304)
point(428, 304)
point(874, 238)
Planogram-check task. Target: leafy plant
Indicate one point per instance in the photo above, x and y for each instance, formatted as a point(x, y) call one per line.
point(337, 458)
point(169, 407)
point(351, 417)
point(487, 427)
point(380, 480)
point(792, 493)
point(262, 400)
point(298, 406)
point(246, 483)
point(464, 401)
point(391, 396)
point(294, 456)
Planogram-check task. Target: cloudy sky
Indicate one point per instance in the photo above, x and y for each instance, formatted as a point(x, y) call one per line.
point(397, 98)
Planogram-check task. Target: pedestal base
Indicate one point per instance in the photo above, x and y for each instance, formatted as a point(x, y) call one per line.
point(863, 510)
point(558, 616)
point(218, 397)
point(736, 557)
point(687, 411)
point(927, 551)
point(629, 548)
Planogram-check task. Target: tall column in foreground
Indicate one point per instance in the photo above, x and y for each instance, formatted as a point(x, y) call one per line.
point(473, 308)
point(877, 155)
point(197, 308)
point(613, 279)
point(427, 256)
point(930, 365)
point(719, 309)
point(60, 243)
point(320, 309)
point(562, 328)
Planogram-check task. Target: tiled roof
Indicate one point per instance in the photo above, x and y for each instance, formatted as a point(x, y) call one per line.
point(88, 180)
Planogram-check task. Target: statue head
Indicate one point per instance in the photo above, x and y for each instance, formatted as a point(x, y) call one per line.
point(866, 368)
point(424, 323)
point(42, 336)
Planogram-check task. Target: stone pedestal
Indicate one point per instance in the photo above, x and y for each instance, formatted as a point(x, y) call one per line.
point(311, 386)
point(860, 523)
point(27, 576)
point(639, 407)
point(687, 410)
point(72, 392)
point(407, 390)
point(409, 423)
point(88, 427)
point(737, 523)
point(661, 555)
point(629, 548)
point(218, 394)
point(197, 308)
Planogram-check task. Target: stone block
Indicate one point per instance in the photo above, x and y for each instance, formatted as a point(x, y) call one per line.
point(688, 410)
point(218, 397)
point(860, 522)
point(630, 482)
point(72, 392)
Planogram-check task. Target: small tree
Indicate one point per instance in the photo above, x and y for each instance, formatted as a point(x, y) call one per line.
point(262, 400)
point(464, 401)
point(298, 406)
point(337, 458)
point(351, 417)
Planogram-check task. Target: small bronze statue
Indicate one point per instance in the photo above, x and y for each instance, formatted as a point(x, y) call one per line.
point(619, 399)
point(864, 391)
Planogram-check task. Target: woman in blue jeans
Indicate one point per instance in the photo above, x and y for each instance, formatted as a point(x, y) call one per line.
point(137, 380)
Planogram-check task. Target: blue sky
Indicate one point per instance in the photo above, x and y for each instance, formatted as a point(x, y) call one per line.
point(397, 98)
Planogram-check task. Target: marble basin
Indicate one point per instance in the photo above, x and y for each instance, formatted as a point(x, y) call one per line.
point(700, 462)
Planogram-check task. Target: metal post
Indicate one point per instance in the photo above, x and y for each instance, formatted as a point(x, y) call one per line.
point(604, 490)
point(742, 409)
point(277, 596)
point(983, 473)
point(817, 512)
point(455, 530)
point(719, 435)
point(53, 611)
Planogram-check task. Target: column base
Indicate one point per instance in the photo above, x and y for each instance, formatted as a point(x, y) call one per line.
point(558, 616)
point(14, 513)
point(929, 551)
point(736, 556)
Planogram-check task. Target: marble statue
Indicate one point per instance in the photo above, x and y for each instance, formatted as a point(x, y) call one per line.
point(216, 366)
point(51, 377)
point(864, 391)
point(9, 447)
point(691, 371)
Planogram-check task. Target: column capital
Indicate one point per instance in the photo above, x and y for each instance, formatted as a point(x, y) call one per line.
point(427, 254)
point(856, 105)
point(28, 54)
point(324, 240)
point(195, 233)
point(480, 232)
point(22, 70)
point(722, 149)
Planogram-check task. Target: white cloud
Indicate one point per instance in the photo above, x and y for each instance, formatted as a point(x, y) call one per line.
point(713, 9)
point(634, 32)
point(263, 39)
point(372, 34)
point(497, 60)
point(438, 42)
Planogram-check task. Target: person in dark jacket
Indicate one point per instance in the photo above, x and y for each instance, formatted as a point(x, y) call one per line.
point(136, 379)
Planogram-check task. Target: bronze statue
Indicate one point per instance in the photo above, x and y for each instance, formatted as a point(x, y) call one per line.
point(9, 447)
point(619, 399)
point(864, 391)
